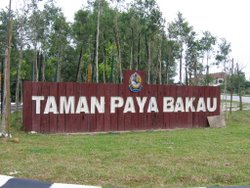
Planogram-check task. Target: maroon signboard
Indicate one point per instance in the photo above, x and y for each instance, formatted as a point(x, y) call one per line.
point(134, 105)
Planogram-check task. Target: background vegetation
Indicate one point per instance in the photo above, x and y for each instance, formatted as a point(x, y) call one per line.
point(105, 38)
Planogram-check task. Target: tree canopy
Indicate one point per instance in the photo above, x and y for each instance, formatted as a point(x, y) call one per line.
point(106, 38)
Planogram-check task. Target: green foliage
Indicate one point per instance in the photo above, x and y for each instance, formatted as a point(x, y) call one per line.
point(207, 42)
point(180, 31)
point(3, 31)
point(235, 79)
point(247, 91)
point(247, 87)
point(224, 50)
point(135, 38)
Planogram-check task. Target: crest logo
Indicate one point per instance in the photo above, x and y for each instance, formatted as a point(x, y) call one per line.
point(135, 82)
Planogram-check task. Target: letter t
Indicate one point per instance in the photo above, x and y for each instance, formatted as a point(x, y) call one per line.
point(38, 100)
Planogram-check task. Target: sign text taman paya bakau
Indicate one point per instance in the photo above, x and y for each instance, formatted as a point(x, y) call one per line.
point(69, 105)
point(132, 105)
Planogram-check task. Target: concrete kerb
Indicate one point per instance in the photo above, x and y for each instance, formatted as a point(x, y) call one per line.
point(10, 182)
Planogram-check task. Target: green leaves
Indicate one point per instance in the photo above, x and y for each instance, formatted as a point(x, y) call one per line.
point(224, 50)
point(132, 33)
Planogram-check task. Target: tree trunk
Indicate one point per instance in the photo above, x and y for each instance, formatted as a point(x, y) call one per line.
point(131, 58)
point(186, 75)
point(148, 48)
point(207, 73)
point(59, 65)
point(225, 90)
point(195, 74)
point(112, 69)
point(43, 68)
point(104, 66)
point(35, 66)
point(160, 63)
point(20, 60)
point(40, 65)
point(6, 115)
point(89, 73)
point(169, 53)
point(189, 78)
point(97, 40)
point(118, 46)
point(167, 72)
point(18, 77)
point(1, 88)
point(78, 75)
point(138, 51)
point(132, 50)
point(180, 71)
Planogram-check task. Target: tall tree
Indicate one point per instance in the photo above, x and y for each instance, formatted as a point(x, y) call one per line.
point(151, 20)
point(169, 54)
point(82, 29)
point(160, 59)
point(97, 39)
point(207, 42)
point(223, 57)
point(21, 21)
point(193, 53)
point(117, 34)
point(179, 30)
point(3, 44)
point(6, 114)
point(59, 42)
point(240, 79)
point(36, 31)
point(118, 46)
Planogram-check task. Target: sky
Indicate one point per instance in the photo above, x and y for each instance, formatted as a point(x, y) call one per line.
point(229, 19)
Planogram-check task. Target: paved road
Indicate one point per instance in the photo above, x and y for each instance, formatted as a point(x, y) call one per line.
point(13, 107)
point(236, 98)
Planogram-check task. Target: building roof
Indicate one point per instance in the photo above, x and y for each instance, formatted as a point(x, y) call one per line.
point(218, 75)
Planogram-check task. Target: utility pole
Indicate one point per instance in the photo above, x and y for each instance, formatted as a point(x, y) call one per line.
point(6, 115)
point(239, 85)
point(231, 86)
point(225, 89)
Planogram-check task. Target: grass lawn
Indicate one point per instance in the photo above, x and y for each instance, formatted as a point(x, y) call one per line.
point(176, 158)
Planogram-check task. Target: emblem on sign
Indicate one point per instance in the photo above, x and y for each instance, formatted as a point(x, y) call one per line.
point(135, 82)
